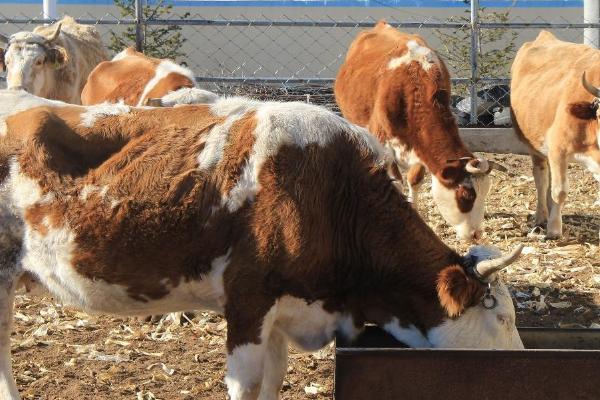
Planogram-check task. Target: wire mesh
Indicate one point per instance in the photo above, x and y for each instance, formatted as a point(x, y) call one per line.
point(296, 57)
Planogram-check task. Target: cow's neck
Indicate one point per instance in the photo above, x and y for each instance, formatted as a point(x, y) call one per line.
point(406, 258)
point(433, 142)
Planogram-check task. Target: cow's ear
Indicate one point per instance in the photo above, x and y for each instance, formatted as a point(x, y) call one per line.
point(57, 57)
point(456, 290)
point(452, 173)
point(584, 109)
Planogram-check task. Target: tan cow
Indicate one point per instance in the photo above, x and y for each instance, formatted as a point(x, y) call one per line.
point(555, 109)
point(135, 79)
point(394, 84)
point(54, 61)
point(281, 216)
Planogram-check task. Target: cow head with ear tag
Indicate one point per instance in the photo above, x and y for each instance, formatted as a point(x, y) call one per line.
point(32, 59)
point(478, 304)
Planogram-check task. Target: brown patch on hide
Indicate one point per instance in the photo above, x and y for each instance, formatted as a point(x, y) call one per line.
point(456, 290)
point(465, 198)
point(583, 110)
point(42, 217)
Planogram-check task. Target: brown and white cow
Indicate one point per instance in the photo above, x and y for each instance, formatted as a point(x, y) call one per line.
point(555, 100)
point(281, 216)
point(394, 84)
point(136, 79)
point(54, 61)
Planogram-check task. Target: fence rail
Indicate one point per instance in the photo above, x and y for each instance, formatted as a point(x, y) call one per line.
point(299, 57)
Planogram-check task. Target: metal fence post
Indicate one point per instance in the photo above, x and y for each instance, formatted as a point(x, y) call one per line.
point(139, 21)
point(474, 66)
point(591, 14)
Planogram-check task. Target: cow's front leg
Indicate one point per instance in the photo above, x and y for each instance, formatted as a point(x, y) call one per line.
point(597, 203)
point(415, 177)
point(8, 282)
point(249, 326)
point(559, 190)
point(541, 176)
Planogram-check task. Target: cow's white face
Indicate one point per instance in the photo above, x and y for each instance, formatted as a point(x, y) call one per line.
point(463, 207)
point(31, 62)
point(25, 63)
point(478, 326)
point(481, 328)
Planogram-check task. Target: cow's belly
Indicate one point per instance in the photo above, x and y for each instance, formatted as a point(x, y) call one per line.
point(309, 326)
point(48, 257)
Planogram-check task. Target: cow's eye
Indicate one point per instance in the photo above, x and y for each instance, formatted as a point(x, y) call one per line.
point(39, 62)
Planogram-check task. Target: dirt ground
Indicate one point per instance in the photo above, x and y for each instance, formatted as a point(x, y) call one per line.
point(61, 353)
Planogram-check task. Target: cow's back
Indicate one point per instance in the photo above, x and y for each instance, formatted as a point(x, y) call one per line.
point(117, 80)
point(545, 80)
point(133, 78)
point(364, 70)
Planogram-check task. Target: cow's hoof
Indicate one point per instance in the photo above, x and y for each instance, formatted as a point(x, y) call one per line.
point(552, 236)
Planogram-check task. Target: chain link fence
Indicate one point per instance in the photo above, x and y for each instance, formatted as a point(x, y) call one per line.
point(296, 57)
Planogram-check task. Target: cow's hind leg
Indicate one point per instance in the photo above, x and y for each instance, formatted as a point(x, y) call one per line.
point(276, 361)
point(8, 283)
point(541, 176)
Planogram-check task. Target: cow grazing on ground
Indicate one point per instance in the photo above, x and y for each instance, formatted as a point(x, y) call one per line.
point(394, 84)
point(281, 216)
point(54, 61)
point(136, 79)
point(554, 102)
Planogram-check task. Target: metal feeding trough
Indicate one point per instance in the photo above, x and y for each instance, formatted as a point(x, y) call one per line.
point(557, 364)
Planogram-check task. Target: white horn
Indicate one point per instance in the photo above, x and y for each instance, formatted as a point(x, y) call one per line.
point(55, 34)
point(478, 166)
point(594, 91)
point(488, 267)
